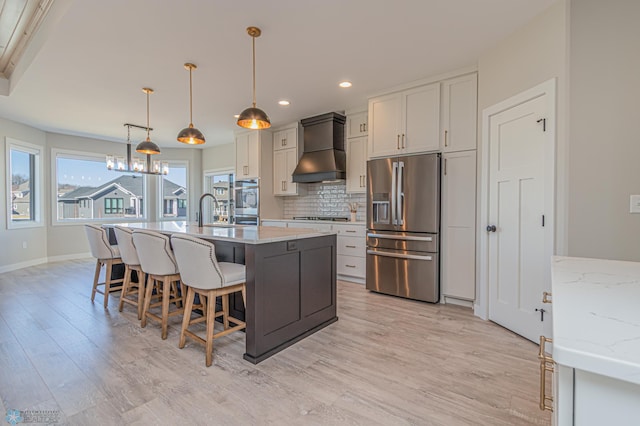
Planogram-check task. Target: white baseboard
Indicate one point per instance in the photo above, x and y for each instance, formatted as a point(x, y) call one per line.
point(40, 261)
point(69, 257)
point(460, 302)
point(20, 265)
point(350, 279)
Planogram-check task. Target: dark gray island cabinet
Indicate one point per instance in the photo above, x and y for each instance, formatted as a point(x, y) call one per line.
point(291, 280)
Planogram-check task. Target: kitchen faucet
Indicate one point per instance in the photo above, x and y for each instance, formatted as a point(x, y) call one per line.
point(202, 197)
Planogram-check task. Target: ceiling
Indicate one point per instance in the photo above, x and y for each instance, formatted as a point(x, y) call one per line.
point(83, 72)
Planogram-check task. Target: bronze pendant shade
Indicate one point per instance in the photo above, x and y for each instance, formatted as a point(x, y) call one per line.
point(146, 146)
point(190, 135)
point(253, 117)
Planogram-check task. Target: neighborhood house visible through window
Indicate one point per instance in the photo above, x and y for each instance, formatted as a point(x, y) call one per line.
point(174, 192)
point(23, 194)
point(86, 190)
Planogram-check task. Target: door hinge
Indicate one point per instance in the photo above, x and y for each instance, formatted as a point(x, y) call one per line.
point(544, 124)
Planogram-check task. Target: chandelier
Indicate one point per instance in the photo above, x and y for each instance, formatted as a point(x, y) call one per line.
point(136, 165)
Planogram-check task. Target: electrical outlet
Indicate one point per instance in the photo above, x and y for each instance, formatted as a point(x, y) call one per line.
point(24, 244)
point(634, 204)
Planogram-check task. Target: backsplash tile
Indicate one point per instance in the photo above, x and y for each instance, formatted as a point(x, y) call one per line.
point(325, 199)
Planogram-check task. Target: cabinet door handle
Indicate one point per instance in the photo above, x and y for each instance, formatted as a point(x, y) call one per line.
point(546, 365)
point(364, 127)
point(245, 170)
point(285, 185)
point(445, 138)
point(445, 166)
point(285, 142)
point(403, 140)
point(398, 143)
point(361, 128)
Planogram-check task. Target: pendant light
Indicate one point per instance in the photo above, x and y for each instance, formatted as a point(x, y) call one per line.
point(147, 147)
point(254, 118)
point(190, 135)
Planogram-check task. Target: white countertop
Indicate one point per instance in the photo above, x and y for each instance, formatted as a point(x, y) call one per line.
point(246, 234)
point(328, 222)
point(596, 316)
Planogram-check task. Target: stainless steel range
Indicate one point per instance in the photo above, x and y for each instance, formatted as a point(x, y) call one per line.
point(403, 226)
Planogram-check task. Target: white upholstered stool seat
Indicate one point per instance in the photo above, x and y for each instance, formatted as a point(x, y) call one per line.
point(132, 291)
point(106, 255)
point(158, 262)
point(202, 274)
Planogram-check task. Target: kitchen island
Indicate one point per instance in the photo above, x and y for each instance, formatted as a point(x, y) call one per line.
point(596, 341)
point(291, 279)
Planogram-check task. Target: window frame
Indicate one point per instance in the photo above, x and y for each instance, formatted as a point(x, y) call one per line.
point(160, 204)
point(37, 188)
point(90, 156)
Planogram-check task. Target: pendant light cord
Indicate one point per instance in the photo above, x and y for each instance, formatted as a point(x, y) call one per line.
point(190, 99)
point(148, 138)
point(253, 38)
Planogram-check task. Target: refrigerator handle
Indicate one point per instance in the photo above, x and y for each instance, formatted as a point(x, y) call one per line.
point(400, 193)
point(394, 203)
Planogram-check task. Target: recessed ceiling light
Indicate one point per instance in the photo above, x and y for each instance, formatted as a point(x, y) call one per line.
point(284, 102)
point(345, 84)
point(236, 116)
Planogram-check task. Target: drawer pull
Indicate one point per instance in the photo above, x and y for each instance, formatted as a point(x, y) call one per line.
point(546, 365)
point(398, 255)
point(399, 237)
point(350, 230)
point(350, 266)
point(350, 246)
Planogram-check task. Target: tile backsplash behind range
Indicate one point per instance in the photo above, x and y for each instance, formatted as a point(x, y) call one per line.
point(324, 199)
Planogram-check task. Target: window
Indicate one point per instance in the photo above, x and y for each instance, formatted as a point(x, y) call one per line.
point(87, 191)
point(23, 184)
point(173, 192)
point(220, 184)
point(114, 206)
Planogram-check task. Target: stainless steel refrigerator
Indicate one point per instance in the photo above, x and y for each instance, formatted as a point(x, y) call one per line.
point(403, 226)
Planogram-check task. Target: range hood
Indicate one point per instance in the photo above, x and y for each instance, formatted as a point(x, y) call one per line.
point(323, 158)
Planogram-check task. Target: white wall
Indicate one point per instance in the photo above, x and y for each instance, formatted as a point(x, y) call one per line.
point(11, 240)
point(219, 157)
point(533, 54)
point(63, 241)
point(604, 128)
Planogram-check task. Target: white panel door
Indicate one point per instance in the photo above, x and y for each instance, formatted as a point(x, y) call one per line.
point(519, 264)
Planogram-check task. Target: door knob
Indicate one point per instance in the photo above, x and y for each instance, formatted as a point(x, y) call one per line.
point(491, 228)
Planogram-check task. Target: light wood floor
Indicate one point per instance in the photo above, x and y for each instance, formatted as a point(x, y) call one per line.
point(387, 361)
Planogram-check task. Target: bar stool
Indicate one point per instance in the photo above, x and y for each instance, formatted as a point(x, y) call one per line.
point(158, 262)
point(131, 263)
point(106, 255)
point(203, 275)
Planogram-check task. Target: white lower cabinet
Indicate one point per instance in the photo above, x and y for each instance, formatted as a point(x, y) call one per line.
point(587, 399)
point(458, 251)
point(276, 223)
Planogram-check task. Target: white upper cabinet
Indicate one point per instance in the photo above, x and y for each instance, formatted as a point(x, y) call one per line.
point(459, 113)
point(357, 124)
point(248, 155)
point(285, 139)
point(406, 122)
point(286, 152)
point(357, 164)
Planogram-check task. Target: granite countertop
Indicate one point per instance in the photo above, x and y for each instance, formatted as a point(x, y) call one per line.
point(596, 316)
point(246, 234)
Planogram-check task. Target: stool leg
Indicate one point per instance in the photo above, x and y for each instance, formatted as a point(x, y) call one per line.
point(211, 307)
point(141, 291)
point(107, 283)
point(166, 294)
point(187, 315)
point(125, 286)
point(244, 295)
point(225, 310)
point(96, 277)
point(147, 300)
